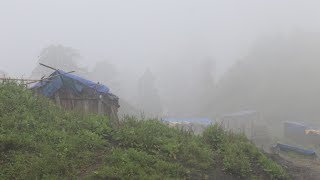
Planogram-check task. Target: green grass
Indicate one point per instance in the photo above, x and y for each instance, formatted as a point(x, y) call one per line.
point(240, 157)
point(41, 141)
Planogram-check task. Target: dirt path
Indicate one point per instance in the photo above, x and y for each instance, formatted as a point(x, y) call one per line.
point(299, 169)
point(87, 170)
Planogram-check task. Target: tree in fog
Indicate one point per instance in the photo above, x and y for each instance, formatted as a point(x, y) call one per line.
point(105, 73)
point(57, 56)
point(3, 74)
point(148, 97)
point(205, 85)
point(279, 78)
point(188, 88)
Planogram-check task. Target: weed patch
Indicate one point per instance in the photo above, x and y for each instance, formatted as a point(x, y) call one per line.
point(240, 157)
point(41, 141)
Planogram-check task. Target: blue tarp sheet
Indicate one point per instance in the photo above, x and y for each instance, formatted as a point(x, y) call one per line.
point(240, 113)
point(70, 81)
point(294, 128)
point(287, 147)
point(295, 125)
point(203, 121)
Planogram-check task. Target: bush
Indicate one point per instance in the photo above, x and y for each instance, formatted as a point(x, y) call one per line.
point(38, 139)
point(240, 157)
point(41, 141)
point(133, 164)
point(171, 144)
point(236, 161)
point(215, 136)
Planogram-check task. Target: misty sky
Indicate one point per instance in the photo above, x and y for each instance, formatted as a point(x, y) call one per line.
point(139, 34)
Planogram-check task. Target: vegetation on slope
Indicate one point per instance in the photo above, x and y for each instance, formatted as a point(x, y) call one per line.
point(41, 141)
point(240, 157)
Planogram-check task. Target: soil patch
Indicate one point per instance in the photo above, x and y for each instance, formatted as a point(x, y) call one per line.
point(298, 171)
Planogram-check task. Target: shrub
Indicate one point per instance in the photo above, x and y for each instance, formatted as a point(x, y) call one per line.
point(155, 138)
point(133, 164)
point(38, 139)
point(215, 136)
point(235, 160)
point(41, 141)
point(240, 157)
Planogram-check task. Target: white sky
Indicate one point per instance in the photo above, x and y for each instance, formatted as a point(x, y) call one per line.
point(138, 34)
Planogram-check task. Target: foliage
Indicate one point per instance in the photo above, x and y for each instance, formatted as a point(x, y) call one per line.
point(278, 77)
point(134, 164)
point(57, 56)
point(239, 156)
point(148, 97)
point(41, 141)
point(155, 138)
point(215, 136)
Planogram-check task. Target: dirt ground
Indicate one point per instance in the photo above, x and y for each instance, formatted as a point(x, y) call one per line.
point(299, 169)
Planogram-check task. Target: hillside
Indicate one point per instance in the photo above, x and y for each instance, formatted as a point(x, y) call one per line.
point(41, 141)
point(278, 78)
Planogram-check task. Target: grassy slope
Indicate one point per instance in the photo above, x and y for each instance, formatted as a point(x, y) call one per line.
point(39, 140)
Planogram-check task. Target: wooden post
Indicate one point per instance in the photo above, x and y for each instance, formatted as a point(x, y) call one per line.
point(57, 98)
point(86, 106)
point(72, 101)
point(114, 116)
point(100, 105)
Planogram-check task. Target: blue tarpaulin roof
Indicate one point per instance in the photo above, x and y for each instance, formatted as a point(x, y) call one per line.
point(204, 121)
point(70, 81)
point(287, 147)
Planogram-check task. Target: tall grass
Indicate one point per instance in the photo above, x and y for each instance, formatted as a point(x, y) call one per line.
point(41, 141)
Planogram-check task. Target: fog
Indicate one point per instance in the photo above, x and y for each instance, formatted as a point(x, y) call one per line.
point(173, 39)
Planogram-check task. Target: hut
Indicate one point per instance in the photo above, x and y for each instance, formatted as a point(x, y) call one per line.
point(240, 122)
point(250, 123)
point(75, 93)
point(300, 133)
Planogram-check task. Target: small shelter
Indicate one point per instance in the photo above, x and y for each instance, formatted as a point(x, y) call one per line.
point(75, 93)
point(248, 122)
point(301, 133)
point(240, 122)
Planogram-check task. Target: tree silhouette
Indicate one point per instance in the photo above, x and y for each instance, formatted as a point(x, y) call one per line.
point(57, 56)
point(149, 100)
point(107, 74)
point(279, 78)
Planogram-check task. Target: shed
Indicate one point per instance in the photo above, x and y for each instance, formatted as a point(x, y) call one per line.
point(75, 93)
point(240, 122)
point(301, 133)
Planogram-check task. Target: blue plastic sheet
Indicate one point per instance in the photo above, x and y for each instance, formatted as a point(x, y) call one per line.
point(295, 126)
point(203, 121)
point(69, 81)
point(240, 113)
point(287, 147)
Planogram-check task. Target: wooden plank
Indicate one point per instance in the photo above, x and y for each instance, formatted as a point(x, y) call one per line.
point(57, 98)
point(48, 66)
point(75, 98)
point(100, 107)
point(49, 77)
point(19, 79)
point(86, 106)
